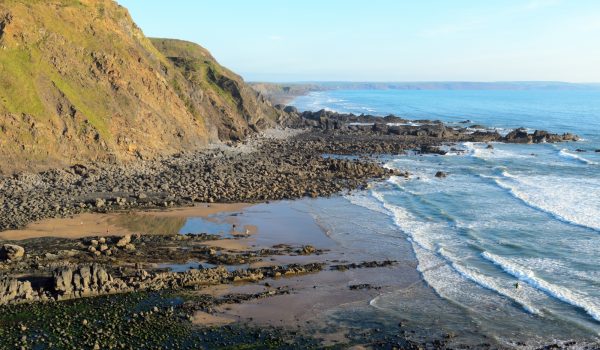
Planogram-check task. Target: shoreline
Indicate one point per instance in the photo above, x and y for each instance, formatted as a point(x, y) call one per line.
point(324, 305)
point(298, 294)
point(111, 234)
point(288, 164)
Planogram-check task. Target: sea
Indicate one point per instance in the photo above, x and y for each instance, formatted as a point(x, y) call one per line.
point(509, 242)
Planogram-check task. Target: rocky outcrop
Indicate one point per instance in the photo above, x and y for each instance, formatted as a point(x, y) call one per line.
point(393, 125)
point(86, 281)
point(13, 291)
point(92, 280)
point(11, 252)
point(363, 265)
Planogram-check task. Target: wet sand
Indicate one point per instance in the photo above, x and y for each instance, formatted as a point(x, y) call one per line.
point(119, 223)
point(312, 298)
point(264, 225)
point(206, 319)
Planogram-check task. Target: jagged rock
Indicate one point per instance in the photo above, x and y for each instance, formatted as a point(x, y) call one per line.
point(11, 252)
point(521, 136)
point(99, 203)
point(307, 250)
point(86, 280)
point(63, 280)
point(290, 109)
point(13, 290)
point(124, 241)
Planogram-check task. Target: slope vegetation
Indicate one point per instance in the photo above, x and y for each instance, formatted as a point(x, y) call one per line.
point(80, 82)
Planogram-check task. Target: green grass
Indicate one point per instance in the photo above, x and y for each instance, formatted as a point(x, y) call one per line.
point(86, 101)
point(18, 92)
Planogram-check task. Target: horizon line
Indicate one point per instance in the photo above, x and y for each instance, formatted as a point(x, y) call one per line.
point(424, 81)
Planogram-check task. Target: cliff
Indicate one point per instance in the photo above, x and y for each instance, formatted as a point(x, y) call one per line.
point(79, 82)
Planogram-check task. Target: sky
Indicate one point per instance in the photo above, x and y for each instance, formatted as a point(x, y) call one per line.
point(387, 40)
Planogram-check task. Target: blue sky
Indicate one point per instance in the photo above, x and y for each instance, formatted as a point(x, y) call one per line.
point(387, 40)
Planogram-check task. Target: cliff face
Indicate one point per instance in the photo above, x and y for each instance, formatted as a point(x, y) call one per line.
point(80, 82)
point(232, 108)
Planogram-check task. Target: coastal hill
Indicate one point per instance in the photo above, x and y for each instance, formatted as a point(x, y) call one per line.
point(80, 82)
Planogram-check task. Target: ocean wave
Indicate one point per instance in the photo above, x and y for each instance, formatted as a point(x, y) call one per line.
point(405, 124)
point(591, 307)
point(494, 284)
point(480, 150)
point(367, 202)
point(558, 267)
point(439, 254)
point(571, 200)
point(440, 269)
point(566, 154)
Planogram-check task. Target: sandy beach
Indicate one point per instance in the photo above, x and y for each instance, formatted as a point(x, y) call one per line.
point(309, 300)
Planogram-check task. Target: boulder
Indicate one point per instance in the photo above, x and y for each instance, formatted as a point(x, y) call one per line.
point(570, 137)
point(307, 250)
point(379, 127)
point(99, 202)
point(290, 109)
point(441, 174)
point(124, 241)
point(63, 280)
point(13, 290)
point(11, 252)
point(519, 136)
point(86, 280)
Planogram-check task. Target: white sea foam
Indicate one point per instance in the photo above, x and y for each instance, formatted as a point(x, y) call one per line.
point(572, 200)
point(589, 305)
point(441, 270)
point(560, 268)
point(494, 284)
point(367, 202)
point(481, 150)
point(360, 124)
point(405, 124)
point(569, 155)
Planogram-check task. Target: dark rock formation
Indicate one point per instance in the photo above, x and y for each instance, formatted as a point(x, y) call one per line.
point(11, 252)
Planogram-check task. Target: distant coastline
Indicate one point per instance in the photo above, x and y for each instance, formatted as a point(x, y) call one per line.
point(284, 93)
